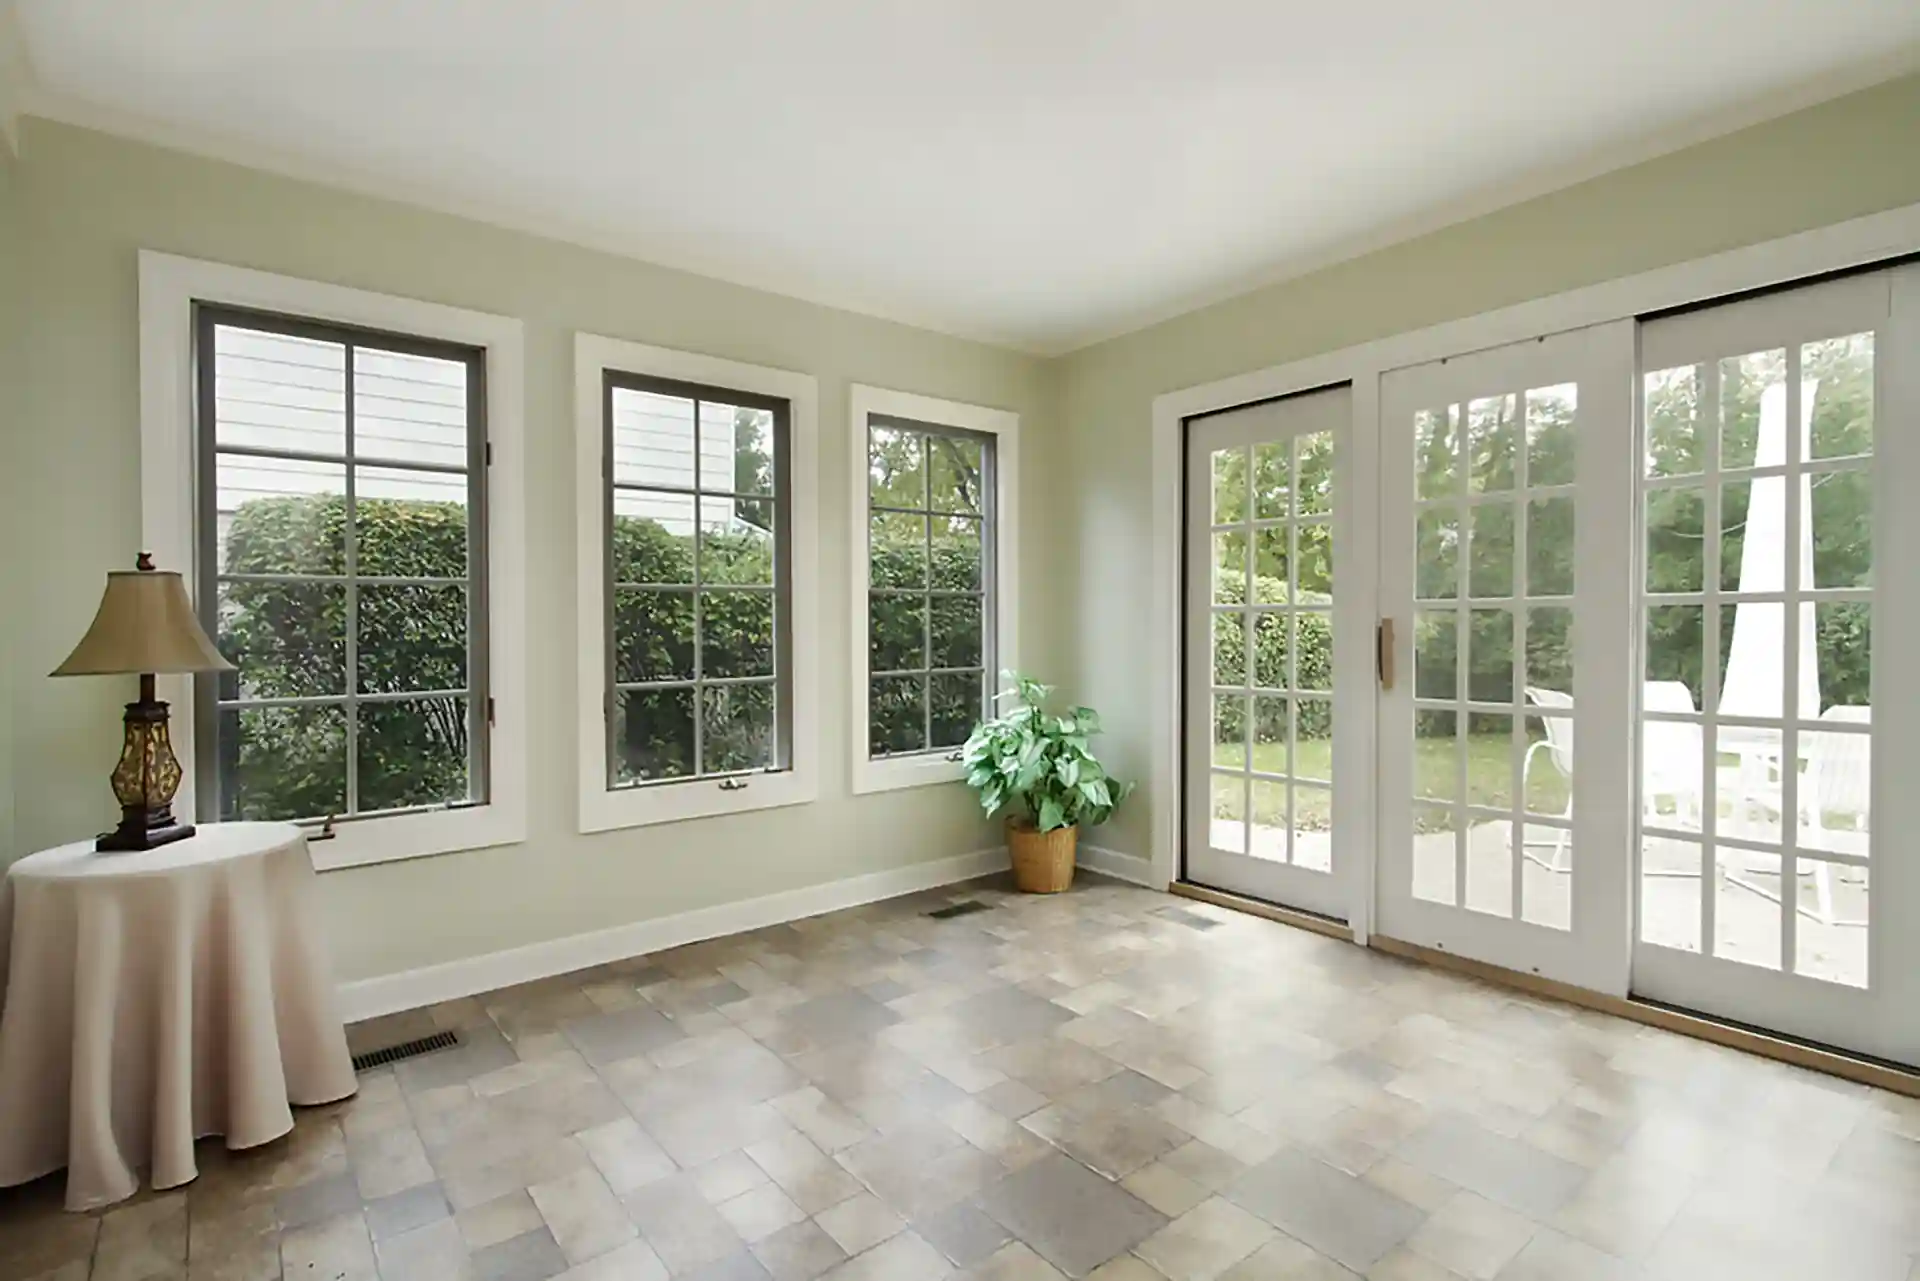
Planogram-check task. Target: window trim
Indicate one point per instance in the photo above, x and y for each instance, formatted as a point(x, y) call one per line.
point(170, 286)
point(931, 767)
point(603, 808)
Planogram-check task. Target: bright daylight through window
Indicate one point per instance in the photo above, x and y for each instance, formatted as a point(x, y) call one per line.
point(341, 517)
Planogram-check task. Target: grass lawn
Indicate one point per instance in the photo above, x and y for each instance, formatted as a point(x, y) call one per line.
point(1490, 764)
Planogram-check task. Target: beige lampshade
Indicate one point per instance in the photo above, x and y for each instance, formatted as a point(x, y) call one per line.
point(145, 624)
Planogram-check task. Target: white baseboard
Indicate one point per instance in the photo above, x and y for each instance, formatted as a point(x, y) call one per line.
point(470, 976)
point(1122, 867)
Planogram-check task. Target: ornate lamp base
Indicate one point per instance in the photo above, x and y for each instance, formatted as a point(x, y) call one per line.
point(145, 780)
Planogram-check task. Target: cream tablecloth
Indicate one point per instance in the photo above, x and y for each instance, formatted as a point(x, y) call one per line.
point(148, 999)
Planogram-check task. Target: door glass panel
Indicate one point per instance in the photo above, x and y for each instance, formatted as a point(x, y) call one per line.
point(1435, 854)
point(1831, 942)
point(1491, 574)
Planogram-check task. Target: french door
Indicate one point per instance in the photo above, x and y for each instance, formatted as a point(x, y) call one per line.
point(1274, 676)
point(1503, 737)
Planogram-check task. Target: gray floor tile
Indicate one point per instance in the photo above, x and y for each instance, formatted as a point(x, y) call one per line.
point(404, 1211)
point(621, 1034)
point(1514, 1173)
point(1007, 1015)
point(531, 1256)
point(1342, 1217)
point(963, 1232)
point(1072, 1217)
point(830, 1020)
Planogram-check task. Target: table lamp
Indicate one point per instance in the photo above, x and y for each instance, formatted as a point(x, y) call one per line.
point(145, 625)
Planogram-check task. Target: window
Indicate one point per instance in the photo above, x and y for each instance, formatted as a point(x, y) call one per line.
point(699, 609)
point(328, 469)
point(933, 564)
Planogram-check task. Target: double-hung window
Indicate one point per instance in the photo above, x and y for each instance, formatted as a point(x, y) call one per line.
point(933, 570)
point(336, 473)
point(695, 613)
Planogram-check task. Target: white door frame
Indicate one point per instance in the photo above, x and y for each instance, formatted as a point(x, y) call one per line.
point(1855, 243)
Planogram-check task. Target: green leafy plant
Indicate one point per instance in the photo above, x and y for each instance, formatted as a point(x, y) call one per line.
point(1040, 763)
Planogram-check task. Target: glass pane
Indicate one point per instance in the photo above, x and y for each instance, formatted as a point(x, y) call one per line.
point(1674, 652)
point(1435, 855)
point(1436, 654)
point(896, 633)
point(1270, 650)
point(1748, 783)
point(896, 468)
point(276, 391)
point(1437, 555)
point(1230, 730)
point(1676, 547)
point(1549, 770)
point(1674, 446)
point(410, 637)
point(1313, 739)
point(1313, 562)
point(1745, 382)
point(1312, 827)
point(897, 550)
point(1436, 452)
point(734, 549)
point(1229, 485)
point(652, 635)
point(409, 408)
point(1830, 940)
point(1270, 735)
point(1229, 649)
point(1550, 440)
point(955, 473)
point(1746, 906)
point(1313, 490)
point(955, 631)
point(956, 565)
point(412, 752)
point(1490, 657)
point(1227, 828)
point(652, 735)
point(897, 712)
point(736, 727)
point(282, 762)
point(652, 439)
point(736, 633)
point(1272, 479)
point(289, 640)
point(1436, 756)
point(409, 524)
point(1842, 529)
point(1670, 874)
point(1490, 760)
point(652, 537)
point(1753, 535)
point(1753, 660)
point(956, 707)
point(1550, 650)
point(1268, 840)
point(1313, 650)
point(1844, 642)
point(736, 449)
point(1836, 785)
point(1272, 563)
point(1230, 567)
point(1490, 444)
point(280, 516)
point(1672, 761)
point(1841, 372)
point(1489, 866)
point(1550, 547)
point(1492, 556)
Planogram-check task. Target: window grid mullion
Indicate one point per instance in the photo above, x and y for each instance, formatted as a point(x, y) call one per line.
point(699, 613)
point(1790, 710)
point(1517, 729)
point(1710, 643)
point(926, 610)
point(350, 561)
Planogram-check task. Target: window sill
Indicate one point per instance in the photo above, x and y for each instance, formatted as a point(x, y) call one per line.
point(605, 810)
point(895, 773)
point(408, 836)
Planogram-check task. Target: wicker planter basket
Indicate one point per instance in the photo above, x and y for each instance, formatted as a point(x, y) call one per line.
point(1042, 861)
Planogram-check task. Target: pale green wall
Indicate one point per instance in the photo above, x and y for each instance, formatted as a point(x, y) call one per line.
point(13, 307)
point(1853, 156)
point(91, 201)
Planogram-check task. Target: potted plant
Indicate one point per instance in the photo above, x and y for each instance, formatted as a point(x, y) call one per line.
point(1040, 765)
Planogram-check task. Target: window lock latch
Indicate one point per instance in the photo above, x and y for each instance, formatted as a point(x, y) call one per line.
point(956, 756)
point(733, 784)
point(324, 832)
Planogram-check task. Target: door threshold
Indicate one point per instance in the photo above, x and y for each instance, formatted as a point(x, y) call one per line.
point(1330, 926)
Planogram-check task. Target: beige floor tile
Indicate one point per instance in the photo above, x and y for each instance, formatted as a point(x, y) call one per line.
point(500, 1219)
point(582, 1213)
point(860, 1222)
point(1472, 1236)
point(1165, 1189)
point(1205, 1241)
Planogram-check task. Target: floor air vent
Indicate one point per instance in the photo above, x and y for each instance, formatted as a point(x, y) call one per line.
point(967, 908)
point(404, 1050)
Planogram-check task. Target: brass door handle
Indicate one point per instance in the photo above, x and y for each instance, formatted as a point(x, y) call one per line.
point(1383, 652)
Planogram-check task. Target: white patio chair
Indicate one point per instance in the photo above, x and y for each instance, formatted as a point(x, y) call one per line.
point(1837, 779)
point(1671, 755)
point(1558, 744)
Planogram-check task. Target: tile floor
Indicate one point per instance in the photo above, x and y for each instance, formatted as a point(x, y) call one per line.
point(1110, 1084)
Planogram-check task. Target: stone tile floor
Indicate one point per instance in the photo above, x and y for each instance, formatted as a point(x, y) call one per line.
point(1111, 1084)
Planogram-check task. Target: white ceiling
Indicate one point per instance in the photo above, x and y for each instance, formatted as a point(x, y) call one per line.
point(1035, 172)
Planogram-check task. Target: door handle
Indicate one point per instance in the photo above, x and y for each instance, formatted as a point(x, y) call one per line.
point(1383, 652)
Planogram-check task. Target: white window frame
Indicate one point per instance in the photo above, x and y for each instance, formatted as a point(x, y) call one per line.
point(169, 288)
point(605, 809)
point(926, 768)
